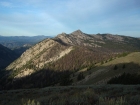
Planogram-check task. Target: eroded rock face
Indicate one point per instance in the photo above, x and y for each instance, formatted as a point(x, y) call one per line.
point(31, 53)
point(24, 73)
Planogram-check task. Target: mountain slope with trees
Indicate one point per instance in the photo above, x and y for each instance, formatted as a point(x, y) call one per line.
point(66, 53)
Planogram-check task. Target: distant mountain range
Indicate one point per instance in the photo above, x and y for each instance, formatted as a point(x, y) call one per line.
point(50, 61)
point(21, 43)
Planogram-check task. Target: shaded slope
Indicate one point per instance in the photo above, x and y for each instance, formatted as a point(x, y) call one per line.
point(6, 56)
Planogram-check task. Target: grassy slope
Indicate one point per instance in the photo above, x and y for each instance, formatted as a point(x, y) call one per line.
point(102, 73)
point(133, 57)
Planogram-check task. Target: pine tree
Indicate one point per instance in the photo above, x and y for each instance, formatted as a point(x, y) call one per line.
point(115, 67)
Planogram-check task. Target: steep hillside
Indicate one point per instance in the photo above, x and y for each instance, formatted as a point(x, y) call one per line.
point(6, 56)
point(64, 55)
point(111, 68)
point(38, 56)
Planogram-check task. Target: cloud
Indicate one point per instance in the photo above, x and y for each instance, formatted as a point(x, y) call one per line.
point(40, 23)
point(6, 4)
point(45, 16)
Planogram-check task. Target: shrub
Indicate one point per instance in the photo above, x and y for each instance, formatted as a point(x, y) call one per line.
point(80, 76)
point(123, 66)
point(126, 79)
point(30, 102)
point(115, 67)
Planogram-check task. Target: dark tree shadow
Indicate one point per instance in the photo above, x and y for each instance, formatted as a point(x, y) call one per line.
point(39, 79)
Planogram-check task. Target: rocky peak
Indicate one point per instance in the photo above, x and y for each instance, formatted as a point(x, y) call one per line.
point(75, 38)
point(77, 32)
point(61, 35)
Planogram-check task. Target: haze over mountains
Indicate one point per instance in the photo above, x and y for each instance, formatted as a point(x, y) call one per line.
point(54, 58)
point(13, 46)
point(20, 43)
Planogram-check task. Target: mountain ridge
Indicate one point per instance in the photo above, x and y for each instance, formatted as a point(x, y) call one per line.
point(70, 52)
point(76, 38)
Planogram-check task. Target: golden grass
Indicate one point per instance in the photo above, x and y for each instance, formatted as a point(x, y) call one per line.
point(131, 62)
point(133, 57)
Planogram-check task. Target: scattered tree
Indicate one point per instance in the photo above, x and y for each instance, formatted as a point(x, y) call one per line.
point(115, 67)
point(123, 66)
point(80, 76)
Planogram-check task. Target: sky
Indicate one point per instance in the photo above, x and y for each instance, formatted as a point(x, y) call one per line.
point(52, 17)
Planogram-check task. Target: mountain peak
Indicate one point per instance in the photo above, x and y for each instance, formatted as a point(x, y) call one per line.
point(77, 32)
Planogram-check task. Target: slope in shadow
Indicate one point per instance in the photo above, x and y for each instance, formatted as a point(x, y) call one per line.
point(39, 79)
point(130, 74)
point(7, 56)
point(102, 74)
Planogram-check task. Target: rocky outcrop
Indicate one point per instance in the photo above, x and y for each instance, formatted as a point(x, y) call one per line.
point(77, 38)
point(31, 53)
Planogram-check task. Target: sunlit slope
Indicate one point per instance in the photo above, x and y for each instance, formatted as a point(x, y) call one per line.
point(133, 58)
point(103, 72)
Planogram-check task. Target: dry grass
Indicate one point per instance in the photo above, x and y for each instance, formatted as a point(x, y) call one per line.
point(74, 95)
point(133, 57)
point(102, 73)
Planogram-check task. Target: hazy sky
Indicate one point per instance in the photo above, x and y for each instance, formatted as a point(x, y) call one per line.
point(51, 17)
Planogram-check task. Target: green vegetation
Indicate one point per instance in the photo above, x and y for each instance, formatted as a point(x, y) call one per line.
point(80, 76)
point(65, 79)
point(123, 54)
point(123, 66)
point(39, 79)
point(126, 79)
point(115, 67)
